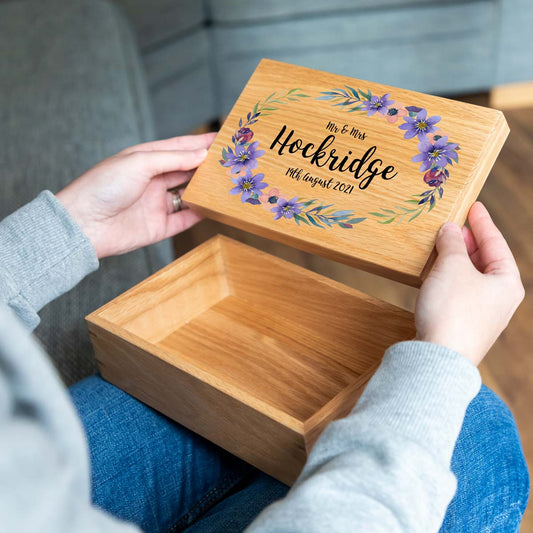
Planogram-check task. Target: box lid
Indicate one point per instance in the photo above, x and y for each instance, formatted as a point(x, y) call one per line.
point(358, 172)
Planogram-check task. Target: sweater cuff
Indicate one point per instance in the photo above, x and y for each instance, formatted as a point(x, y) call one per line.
point(422, 390)
point(43, 254)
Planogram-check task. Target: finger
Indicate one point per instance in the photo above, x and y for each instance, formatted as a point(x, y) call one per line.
point(185, 142)
point(450, 241)
point(472, 249)
point(160, 162)
point(476, 260)
point(173, 179)
point(494, 252)
point(470, 241)
point(180, 221)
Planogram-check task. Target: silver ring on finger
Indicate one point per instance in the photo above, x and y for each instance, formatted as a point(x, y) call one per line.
point(177, 202)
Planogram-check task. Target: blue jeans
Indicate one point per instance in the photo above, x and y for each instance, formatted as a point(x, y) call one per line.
point(154, 472)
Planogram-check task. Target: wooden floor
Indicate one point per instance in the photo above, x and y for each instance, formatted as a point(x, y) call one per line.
point(508, 194)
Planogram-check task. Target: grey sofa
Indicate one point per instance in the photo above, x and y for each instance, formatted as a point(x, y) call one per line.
point(71, 93)
point(198, 54)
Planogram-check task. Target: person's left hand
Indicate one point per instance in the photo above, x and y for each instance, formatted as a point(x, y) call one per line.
point(123, 202)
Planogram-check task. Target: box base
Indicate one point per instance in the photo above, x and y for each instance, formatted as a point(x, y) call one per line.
point(253, 353)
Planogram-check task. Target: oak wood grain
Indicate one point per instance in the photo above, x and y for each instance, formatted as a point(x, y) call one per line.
point(396, 250)
point(227, 325)
point(244, 431)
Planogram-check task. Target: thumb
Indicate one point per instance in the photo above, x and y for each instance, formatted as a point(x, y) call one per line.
point(450, 241)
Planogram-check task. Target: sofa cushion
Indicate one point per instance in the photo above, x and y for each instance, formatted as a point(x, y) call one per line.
point(430, 48)
point(232, 11)
point(180, 83)
point(158, 21)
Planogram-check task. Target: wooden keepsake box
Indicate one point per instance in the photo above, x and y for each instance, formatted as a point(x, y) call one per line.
point(252, 352)
point(257, 354)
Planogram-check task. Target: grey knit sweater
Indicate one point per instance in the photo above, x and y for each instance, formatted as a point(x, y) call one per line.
point(385, 467)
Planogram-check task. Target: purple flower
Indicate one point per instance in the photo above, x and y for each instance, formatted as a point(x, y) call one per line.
point(438, 154)
point(420, 125)
point(377, 104)
point(243, 157)
point(244, 135)
point(248, 185)
point(435, 177)
point(286, 208)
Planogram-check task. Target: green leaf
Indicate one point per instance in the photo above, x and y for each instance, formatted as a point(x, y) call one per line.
point(412, 201)
point(378, 214)
point(299, 218)
point(386, 221)
point(353, 91)
point(314, 222)
point(320, 207)
point(416, 215)
point(270, 108)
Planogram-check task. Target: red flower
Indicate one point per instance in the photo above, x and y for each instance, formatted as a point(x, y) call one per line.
point(244, 135)
point(435, 177)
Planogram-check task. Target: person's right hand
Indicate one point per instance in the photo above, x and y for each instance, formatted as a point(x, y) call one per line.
point(473, 289)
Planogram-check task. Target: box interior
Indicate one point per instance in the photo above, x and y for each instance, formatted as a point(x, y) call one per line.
point(287, 337)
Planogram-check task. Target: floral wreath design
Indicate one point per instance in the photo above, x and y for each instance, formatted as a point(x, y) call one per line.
point(435, 154)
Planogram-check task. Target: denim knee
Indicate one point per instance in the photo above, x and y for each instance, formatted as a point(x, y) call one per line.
point(492, 476)
point(500, 431)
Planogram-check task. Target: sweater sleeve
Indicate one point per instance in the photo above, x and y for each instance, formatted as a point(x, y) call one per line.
point(44, 457)
point(386, 466)
point(43, 254)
